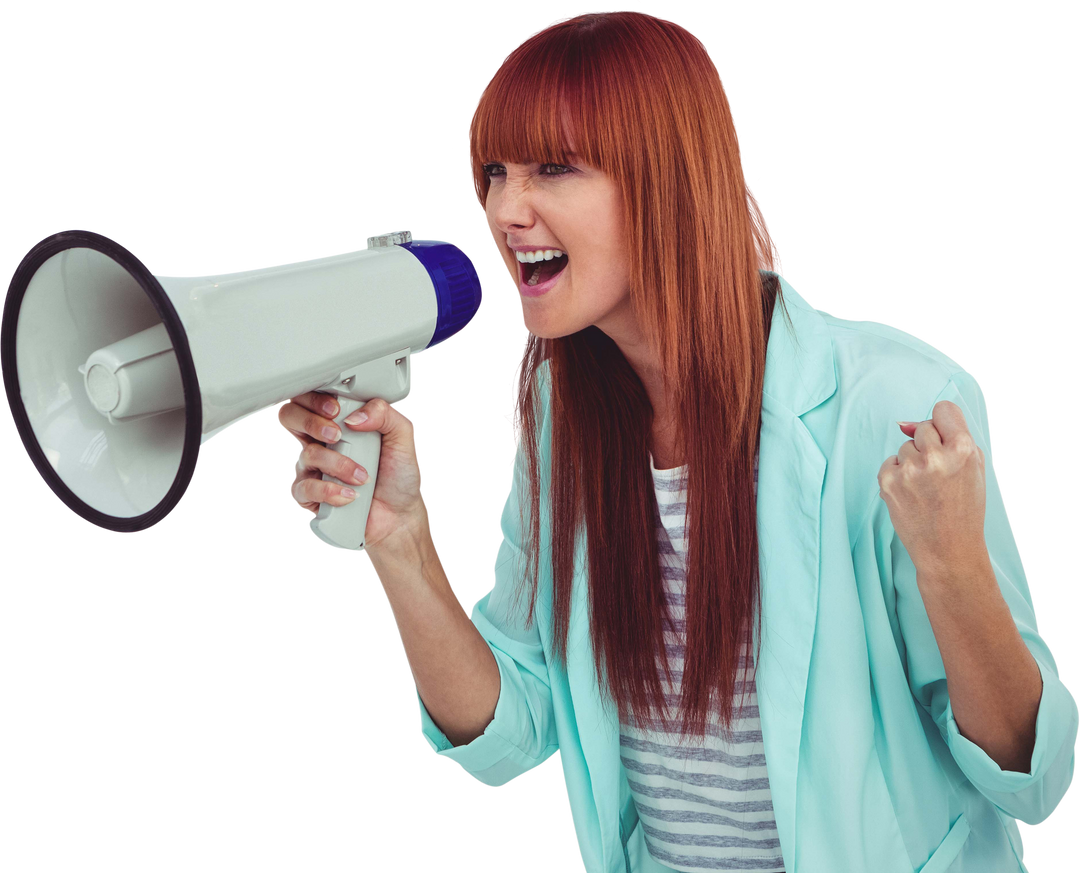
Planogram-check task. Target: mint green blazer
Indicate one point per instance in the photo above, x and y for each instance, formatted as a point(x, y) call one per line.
point(867, 768)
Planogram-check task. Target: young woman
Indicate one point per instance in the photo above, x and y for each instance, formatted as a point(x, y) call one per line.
point(767, 628)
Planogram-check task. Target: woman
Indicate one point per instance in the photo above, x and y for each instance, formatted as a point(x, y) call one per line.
point(787, 639)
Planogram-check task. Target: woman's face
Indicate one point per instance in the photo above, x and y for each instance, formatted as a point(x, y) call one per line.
point(574, 208)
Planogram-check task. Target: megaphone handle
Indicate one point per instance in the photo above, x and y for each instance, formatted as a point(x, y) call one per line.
point(344, 526)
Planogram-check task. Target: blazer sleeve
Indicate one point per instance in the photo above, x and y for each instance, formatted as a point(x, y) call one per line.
point(522, 732)
point(1030, 796)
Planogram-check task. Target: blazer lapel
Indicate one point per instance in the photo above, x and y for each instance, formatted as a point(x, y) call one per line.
point(799, 375)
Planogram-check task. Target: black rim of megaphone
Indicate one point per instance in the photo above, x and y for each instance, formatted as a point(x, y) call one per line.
point(38, 255)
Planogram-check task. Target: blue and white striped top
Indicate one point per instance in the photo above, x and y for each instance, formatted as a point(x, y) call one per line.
point(702, 807)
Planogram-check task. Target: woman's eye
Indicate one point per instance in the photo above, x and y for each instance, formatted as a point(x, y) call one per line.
point(491, 170)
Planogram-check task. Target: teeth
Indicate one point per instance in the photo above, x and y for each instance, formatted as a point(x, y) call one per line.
point(543, 255)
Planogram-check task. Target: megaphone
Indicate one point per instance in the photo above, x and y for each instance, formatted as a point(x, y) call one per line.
point(115, 377)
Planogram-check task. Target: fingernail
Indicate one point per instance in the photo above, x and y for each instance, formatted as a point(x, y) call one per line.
point(330, 408)
point(348, 492)
point(356, 417)
point(360, 475)
point(906, 423)
point(331, 433)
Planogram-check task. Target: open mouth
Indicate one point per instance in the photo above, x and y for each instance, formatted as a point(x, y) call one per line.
point(541, 271)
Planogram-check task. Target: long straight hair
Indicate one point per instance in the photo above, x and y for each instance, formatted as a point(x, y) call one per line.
point(641, 100)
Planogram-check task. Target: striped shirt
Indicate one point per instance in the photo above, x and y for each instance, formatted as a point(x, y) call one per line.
point(702, 806)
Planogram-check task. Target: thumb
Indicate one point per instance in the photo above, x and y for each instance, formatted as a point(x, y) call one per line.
point(378, 415)
point(368, 416)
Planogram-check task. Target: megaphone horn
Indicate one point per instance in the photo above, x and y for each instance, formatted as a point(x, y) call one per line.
point(115, 377)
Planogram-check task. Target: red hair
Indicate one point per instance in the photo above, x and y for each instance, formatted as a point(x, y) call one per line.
point(640, 99)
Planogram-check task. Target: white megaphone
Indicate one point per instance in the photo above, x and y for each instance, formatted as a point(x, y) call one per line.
point(115, 377)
